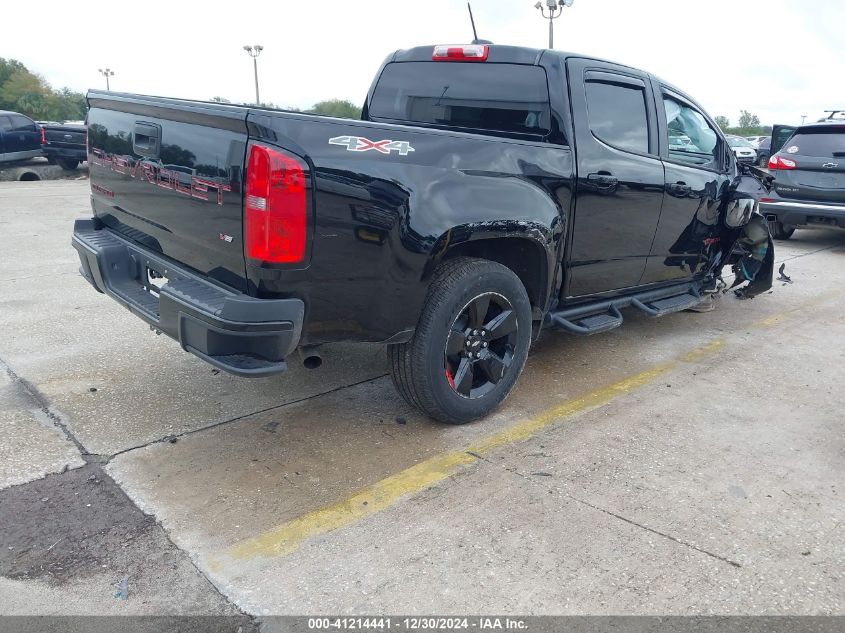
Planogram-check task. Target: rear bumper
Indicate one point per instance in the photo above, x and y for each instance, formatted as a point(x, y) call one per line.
point(240, 334)
point(798, 213)
point(65, 152)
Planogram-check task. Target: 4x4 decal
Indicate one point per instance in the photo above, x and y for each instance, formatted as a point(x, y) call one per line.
point(361, 144)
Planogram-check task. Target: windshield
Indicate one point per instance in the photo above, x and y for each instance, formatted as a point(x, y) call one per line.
point(735, 141)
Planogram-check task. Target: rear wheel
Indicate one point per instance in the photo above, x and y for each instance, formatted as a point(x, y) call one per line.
point(470, 345)
point(780, 231)
point(763, 161)
point(68, 164)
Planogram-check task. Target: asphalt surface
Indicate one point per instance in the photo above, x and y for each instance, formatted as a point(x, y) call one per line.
point(687, 465)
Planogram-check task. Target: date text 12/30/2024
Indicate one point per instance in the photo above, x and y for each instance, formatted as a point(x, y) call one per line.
point(416, 623)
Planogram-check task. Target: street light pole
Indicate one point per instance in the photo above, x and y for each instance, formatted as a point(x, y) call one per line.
point(555, 8)
point(254, 52)
point(106, 72)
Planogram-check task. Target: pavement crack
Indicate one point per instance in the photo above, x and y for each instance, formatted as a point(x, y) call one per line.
point(615, 515)
point(719, 557)
point(173, 437)
point(31, 392)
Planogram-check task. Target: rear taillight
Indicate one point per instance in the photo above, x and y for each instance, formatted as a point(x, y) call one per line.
point(43, 137)
point(779, 162)
point(274, 207)
point(460, 53)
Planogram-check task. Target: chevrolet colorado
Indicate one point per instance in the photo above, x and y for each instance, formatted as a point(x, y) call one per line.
point(487, 192)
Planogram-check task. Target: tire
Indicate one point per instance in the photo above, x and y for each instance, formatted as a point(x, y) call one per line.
point(68, 164)
point(453, 369)
point(763, 161)
point(779, 230)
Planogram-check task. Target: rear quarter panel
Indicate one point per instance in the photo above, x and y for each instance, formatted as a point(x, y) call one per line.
point(382, 221)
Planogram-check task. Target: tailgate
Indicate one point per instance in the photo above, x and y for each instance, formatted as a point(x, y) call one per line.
point(167, 174)
point(69, 137)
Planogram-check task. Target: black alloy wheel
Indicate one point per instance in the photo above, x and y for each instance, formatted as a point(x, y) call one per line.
point(480, 345)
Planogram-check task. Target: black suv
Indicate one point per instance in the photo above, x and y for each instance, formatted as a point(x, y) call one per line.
point(809, 186)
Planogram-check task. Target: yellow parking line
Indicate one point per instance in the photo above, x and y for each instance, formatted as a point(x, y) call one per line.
point(774, 319)
point(286, 537)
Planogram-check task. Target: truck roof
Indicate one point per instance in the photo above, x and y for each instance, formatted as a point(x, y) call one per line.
point(504, 54)
point(500, 53)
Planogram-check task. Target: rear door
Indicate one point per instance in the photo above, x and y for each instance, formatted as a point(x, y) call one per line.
point(24, 135)
point(168, 175)
point(27, 132)
point(696, 160)
point(620, 176)
point(818, 155)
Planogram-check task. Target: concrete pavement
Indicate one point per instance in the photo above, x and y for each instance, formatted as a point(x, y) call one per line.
point(691, 464)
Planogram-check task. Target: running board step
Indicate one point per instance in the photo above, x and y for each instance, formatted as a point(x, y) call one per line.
point(591, 323)
point(601, 316)
point(668, 305)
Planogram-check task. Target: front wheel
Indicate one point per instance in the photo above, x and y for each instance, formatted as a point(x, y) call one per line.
point(470, 344)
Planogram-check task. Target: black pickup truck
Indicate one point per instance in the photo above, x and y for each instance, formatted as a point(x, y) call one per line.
point(487, 192)
point(64, 144)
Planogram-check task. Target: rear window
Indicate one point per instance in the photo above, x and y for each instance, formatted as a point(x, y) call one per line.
point(499, 98)
point(821, 143)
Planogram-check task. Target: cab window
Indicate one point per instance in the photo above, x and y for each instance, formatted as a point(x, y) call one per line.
point(617, 115)
point(504, 99)
point(21, 123)
point(691, 139)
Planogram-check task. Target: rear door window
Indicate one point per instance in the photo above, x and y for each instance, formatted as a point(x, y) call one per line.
point(821, 143)
point(617, 115)
point(22, 124)
point(499, 98)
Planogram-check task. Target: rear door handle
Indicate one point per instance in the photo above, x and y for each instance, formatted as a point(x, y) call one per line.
point(602, 181)
point(146, 139)
point(679, 188)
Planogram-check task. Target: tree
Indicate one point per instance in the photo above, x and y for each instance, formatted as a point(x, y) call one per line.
point(723, 122)
point(8, 67)
point(748, 120)
point(337, 107)
point(30, 94)
point(20, 84)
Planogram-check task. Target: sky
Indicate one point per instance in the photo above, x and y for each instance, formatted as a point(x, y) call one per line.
point(779, 59)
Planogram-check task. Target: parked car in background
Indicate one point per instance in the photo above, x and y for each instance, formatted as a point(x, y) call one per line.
point(742, 149)
point(65, 144)
point(20, 137)
point(763, 152)
point(755, 140)
point(809, 185)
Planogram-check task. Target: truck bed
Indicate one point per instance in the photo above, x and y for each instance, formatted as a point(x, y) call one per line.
point(168, 174)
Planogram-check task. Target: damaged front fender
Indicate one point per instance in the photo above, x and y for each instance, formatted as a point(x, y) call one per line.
point(754, 258)
point(746, 233)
